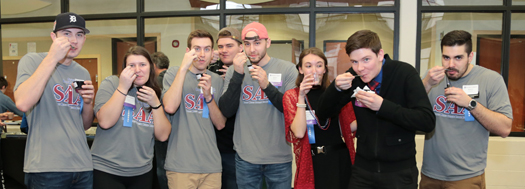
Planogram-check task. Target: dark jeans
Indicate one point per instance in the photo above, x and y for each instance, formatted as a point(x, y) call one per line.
point(161, 148)
point(229, 180)
point(403, 179)
point(103, 180)
point(250, 176)
point(52, 180)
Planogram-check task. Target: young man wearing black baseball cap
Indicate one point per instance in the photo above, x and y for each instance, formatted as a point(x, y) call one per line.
point(57, 154)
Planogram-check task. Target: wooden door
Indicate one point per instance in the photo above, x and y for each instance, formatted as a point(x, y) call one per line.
point(10, 69)
point(91, 65)
point(490, 57)
point(123, 47)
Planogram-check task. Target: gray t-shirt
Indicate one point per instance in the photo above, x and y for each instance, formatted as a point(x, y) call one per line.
point(7, 103)
point(259, 134)
point(120, 150)
point(56, 141)
point(192, 146)
point(457, 149)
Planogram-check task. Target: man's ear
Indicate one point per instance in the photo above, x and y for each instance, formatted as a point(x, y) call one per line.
point(268, 42)
point(241, 49)
point(53, 36)
point(470, 57)
point(381, 55)
point(188, 49)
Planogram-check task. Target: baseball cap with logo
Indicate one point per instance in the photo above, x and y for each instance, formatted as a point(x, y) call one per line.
point(233, 34)
point(256, 27)
point(69, 20)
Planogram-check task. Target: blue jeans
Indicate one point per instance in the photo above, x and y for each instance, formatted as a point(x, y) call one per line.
point(249, 176)
point(229, 180)
point(52, 180)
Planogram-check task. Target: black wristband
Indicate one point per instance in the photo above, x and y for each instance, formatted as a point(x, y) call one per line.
point(121, 92)
point(157, 107)
point(210, 100)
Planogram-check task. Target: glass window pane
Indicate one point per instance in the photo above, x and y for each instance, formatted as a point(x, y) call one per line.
point(461, 3)
point(484, 27)
point(353, 3)
point(249, 4)
point(518, 2)
point(332, 31)
point(516, 85)
point(170, 5)
point(97, 54)
point(103, 6)
point(172, 33)
point(29, 8)
point(288, 32)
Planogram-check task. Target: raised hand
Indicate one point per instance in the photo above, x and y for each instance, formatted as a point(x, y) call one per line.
point(370, 100)
point(260, 75)
point(205, 84)
point(189, 57)
point(59, 48)
point(127, 76)
point(148, 95)
point(238, 62)
point(344, 81)
point(87, 92)
point(306, 85)
point(457, 96)
point(435, 75)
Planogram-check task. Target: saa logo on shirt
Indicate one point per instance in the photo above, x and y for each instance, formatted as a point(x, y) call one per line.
point(249, 96)
point(193, 103)
point(66, 97)
point(447, 109)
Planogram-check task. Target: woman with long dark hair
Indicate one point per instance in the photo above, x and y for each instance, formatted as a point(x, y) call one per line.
point(130, 116)
point(323, 147)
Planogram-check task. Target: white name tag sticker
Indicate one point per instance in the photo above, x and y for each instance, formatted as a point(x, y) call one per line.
point(471, 89)
point(275, 79)
point(130, 100)
point(310, 119)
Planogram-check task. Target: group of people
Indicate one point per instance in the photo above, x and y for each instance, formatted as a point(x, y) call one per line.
point(230, 123)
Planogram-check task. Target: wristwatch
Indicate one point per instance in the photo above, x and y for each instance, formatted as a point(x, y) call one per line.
point(472, 104)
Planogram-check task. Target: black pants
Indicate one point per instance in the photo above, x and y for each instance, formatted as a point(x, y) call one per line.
point(403, 179)
point(103, 180)
point(333, 169)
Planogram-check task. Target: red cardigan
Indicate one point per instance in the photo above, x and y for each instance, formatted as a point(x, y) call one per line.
point(304, 173)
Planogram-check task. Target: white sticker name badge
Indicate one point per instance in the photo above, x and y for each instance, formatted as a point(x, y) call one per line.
point(129, 106)
point(275, 79)
point(310, 122)
point(471, 90)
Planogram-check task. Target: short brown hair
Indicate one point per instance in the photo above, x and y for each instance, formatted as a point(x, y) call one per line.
point(363, 39)
point(457, 37)
point(315, 51)
point(199, 34)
